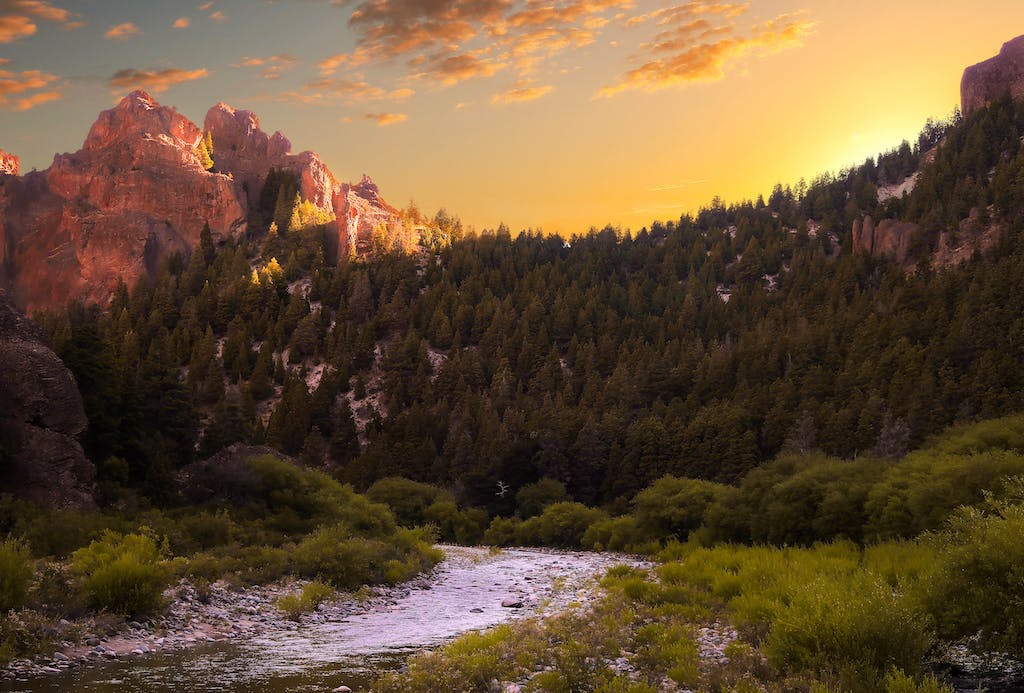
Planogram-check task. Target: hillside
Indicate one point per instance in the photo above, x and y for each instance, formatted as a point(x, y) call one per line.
point(696, 347)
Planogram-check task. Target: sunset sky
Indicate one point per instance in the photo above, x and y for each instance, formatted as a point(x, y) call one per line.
point(551, 114)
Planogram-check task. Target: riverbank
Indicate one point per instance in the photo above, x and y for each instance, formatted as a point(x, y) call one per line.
point(465, 592)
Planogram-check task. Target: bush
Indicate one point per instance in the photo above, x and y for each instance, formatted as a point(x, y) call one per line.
point(671, 508)
point(313, 594)
point(561, 524)
point(533, 498)
point(978, 586)
point(853, 626)
point(502, 531)
point(15, 574)
point(122, 573)
point(615, 534)
point(407, 499)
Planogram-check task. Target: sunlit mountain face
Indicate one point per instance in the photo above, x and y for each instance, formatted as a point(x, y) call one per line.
point(550, 115)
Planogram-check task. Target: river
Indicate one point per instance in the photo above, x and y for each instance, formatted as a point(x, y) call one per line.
point(319, 655)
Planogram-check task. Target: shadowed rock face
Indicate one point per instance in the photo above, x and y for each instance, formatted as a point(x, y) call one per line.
point(137, 192)
point(989, 81)
point(41, 415)
point(890, 238)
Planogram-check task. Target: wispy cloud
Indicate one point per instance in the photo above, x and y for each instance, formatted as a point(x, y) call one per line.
point(699, 41)
point(16, 88)
point(218, 16)
point(385, 119)
point(521, 91)
point(30, 102)
point(16, 27)
point(272, 66)
point(154, 80)
point(181, 23)
point(120, 32)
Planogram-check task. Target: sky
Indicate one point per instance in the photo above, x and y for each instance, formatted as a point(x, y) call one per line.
point(553, 115)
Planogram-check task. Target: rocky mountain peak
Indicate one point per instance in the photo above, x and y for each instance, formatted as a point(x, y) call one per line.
point(991, 79)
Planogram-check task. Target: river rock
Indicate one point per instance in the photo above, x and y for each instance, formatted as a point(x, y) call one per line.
point(512, 603)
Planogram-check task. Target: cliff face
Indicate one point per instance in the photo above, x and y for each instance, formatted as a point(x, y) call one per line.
point(889, 238)
point(247, 153)
point(990, 80)
point(41, 415)
point(137, 192)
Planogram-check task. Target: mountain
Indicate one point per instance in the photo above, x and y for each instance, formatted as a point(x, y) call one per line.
point(142, 188)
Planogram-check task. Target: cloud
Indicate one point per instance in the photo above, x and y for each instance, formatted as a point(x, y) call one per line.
point(272, 66)
point(700, 41)
point(385, 119)
point(520, 92)
point(156, 81)
point(181, 23)
point(30, 102)
point(19, 84)
point(218, 16)
point(679, 186)
point(450, 69)
point(16, 27)
point(329, 65)
point(121, 32)
point(205, 6)
point(17, 18)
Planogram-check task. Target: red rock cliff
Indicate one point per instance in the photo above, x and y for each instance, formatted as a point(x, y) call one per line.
point(137, 192)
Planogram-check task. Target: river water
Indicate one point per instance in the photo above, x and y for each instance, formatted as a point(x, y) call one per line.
point(319, 656)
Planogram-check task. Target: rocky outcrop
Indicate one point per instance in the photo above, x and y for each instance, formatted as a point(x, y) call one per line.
point(365, 220)
point(134, 194)
point(137, 192)
point(9, 164)
point(890, 238)
point(41, 415)
point(243, 150)
point(990, 80)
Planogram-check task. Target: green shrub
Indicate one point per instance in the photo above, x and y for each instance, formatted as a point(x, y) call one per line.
point(313, 594)
point(15, 574)
point(898, 682)
point(502, 531)
point(979, 582)
point(122, 573)
point(671, 507)
point(854, 627)
point(615, 534)
point(533, 498)
point(561, 524)
point(407, 499)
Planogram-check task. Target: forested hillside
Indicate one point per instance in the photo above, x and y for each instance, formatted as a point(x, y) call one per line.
point(699, 348)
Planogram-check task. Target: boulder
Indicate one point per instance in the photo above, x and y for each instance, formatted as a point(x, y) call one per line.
point(41, 416)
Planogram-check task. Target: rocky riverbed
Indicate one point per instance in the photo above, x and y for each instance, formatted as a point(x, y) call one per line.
point(217, 638)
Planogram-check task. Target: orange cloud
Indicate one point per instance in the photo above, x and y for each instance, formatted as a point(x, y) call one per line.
point(698, 50)
point(34, 100)
point(520, 92)
point(385, 119)
point(181, 23)
point(272, 66)
point(154, 80)
point(218, 16)
point(20, 83)
point(16, 27)
point(121, 32)
point(329, 65)
point(205, 6)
